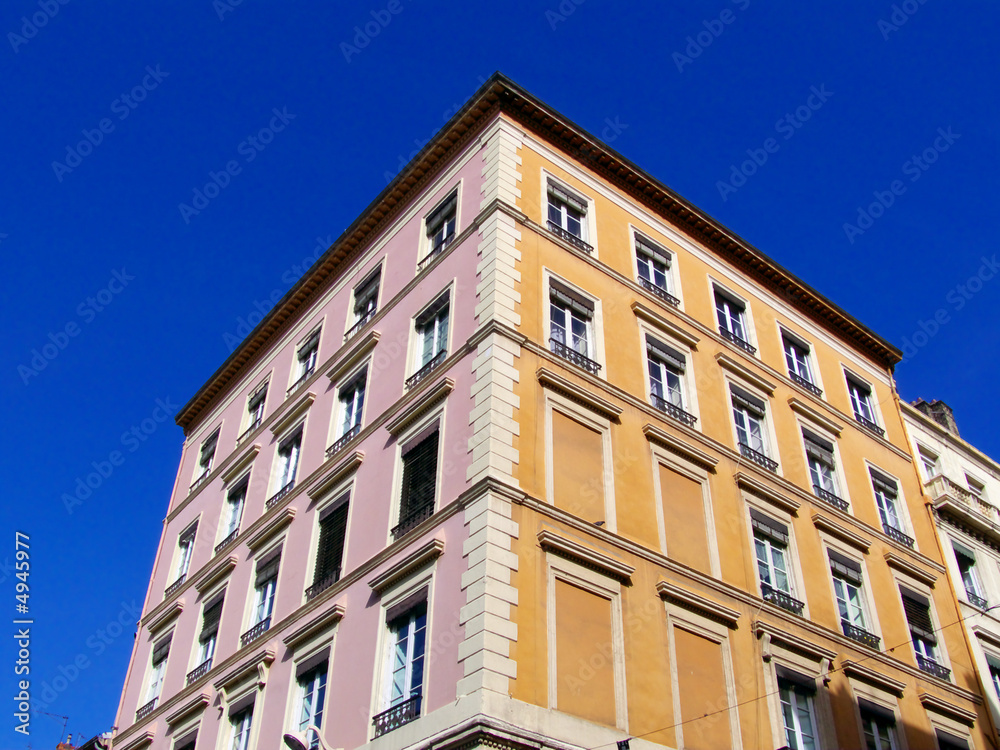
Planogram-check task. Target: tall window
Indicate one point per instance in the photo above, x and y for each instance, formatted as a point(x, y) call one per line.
point(288, 460)
point(330, 553)
point(571, 319)
point(977, 488)
point(440, 224)
point(264, 587)
point(255, 407)
point(797, 359)
point(928, 462)
point(307, 354)
point(206, 456)
point(567, 212)
point(185, 547)
point(432, 332)
point(966, 560)
point(770, 539)
point(235, 500)
point(879, 726)
point(861, 401)
point(653, 263)
point(352, 402)
point(797, 711)
point(917, 608)
point(994, 664)
point(406, 661)
point(886, 492)
point(366, 298)
point(732, 320)
point(666, 369)
point(209, 631)
point(847, 589)
point(241, 722)
point(312, 688)
point(822, 467)
point(748, 416)
point(419, 483)
point(158, 667)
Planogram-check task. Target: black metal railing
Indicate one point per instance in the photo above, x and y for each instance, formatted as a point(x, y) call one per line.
point(201, 478)
point(401, 713)
point(273, 500)
point(860, 635)
point(734, 339)
point(362, 322)
point(897, 536)
point(320, 586)
point(255, 632)
point(343, 440)
point(673, 410)
point(175, 585)
point(568, 353)
point(976, 600)
point(146, 710)
point(248, 430)
point(660, 292)
point(411, 519)
point(931, 667)
point(200, 671)
point(427, 369)
point(758, 458)
point(571, 238)
point(298, 383)
point(830, 498)
point(227, 541)
point(426, 260)
point(780, 598)
point(869, 425)
point(805, 383)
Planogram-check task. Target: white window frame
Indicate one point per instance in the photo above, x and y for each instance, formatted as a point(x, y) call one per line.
point(353, 317)
point(689, 393)
point(808, 350)
point(203, 653)
point(854, 383)
point(307, 715)
point(228, 526)
point(959, 548)
point(343, 410)
point(157, 671)
point(767, 427)
point(793, 571)
point(414, 354)
point(976, 486)
point(287, 463)
point(726, 293)
point(588, 230)
point(868, 609)
point(671, 283)
point(899, 506)
point(595, 328)
point(427, 247)
point(254, 418)
point(307, 365)
point(798, 694)
point(256, 602)
point(891, 734)
point(204, 468)
point(241, 732)
point(185, 549)
point(930, 462)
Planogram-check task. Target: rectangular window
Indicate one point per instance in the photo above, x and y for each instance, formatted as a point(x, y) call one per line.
point(748, 416)
point(352, 402)
point(797, 359)
point(917, 608)
point(571, 321)
point(312, 688)
point(408, 632)
point(330, 552)
point(966, 560)
point(210, 619)
point(797, 710)
point(879, 725)
point(653, 263)
point(862, 405)
point(305, 357)
point(366, 298)
point(732, 321)
point(949, 741)
point(848, 592)
point(567, 212)
point(440, 225)
point(158, 667)
point(432, 335)
point(666, 372)
point(928, 462)
point(977, 488)
point(207, 455)
point(770, 539)
point(241, 722)
point(822, 468)
point(235, 500)
point(185, 547)
point(886, 498)
point(416, 500)
point(288, 461)
point(265, 585)
point(994, 664)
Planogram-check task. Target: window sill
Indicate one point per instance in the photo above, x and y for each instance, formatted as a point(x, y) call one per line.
point(569, 237)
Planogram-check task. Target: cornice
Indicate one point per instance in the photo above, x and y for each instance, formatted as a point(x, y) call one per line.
point(842, 533)
point(872, 677)
point(275, 525)
point(164, 618)
point(427, 400)
point(905, 566)
point(605, 564)
point(197, 703)
point(548, 379)
point(289, 418)
point(745, 373)
point(239, 465)
point(338, 474)
point(761, 490)
point(677, 446)
point(407, 566)
point(216, 574)
point(813, 415)
point(659, 322)
point(938, 705)
point(353, 356)
point(314, 627)
point(690, 600)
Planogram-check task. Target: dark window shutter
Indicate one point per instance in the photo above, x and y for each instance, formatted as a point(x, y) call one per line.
point(748, 401)
point(568, 298)
point(949, 741)
point(845, 567)
point(162, 650)
point(884, 483)
point(259, 395)
point(267, 569)
point(561, 195)
point(419, 477)
point(367, 290)
point(818, 446)
point(873, 710)
point(668, 355)
point(796, 680)
point(442, 213)
point(918, 614)
point(763, 524)
point(651, 250)
point(210, 620)
point(332, 533)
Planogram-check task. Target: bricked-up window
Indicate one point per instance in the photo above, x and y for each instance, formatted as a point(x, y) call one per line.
point(441, 224)
point(330, 552)
point(585, 685)
point(701, 677)
point(822, 465)
point(686, 528)
point(577, 468)
point(571, 317)
point(886, 497)
point(653, 263)
point(567, 211)
point(366, 296)
point(879, 725)
point(798, 713)
point(158, 667)
point(416, 501)
point(918, 616)
point(210, 618)
point(666, 370)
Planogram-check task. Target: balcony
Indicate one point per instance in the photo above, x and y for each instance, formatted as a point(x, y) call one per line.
point(569, 237)
point(198, 672)
point(932, 668)
point(426, 370)
point(246, 433)
point(395, 717)
point(411, 519)
point(808, 385)
point(299, 383)
point(255, 632)
point(580, 360)
point(972, 509)
point(343, 441)
point(426, 260)
point(976, 600)
point(897, 536)
point(828, 497)
point(201, 478)
point(860, 635)
point(362, 322)
point(227, 541)
point(660, 292)
point(175, 586)
point(319, 587)
point(734, 339)
point(276, 497)
point(146, 710)
point(673, 411)
point(781, 599)
point(870, 426)
point(758, 458)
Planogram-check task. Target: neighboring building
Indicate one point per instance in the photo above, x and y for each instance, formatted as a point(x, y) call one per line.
point(540, 455)
point(963, 485)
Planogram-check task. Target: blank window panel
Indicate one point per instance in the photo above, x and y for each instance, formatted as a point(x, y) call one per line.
point(701, 684)
point(684, 519)
point(577, 468)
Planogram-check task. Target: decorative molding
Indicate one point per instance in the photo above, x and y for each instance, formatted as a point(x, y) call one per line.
point(575, 393)
point(237, 467)
point(761, 490)
point(278, 523)
point(139, 741)
point(427, 401)
point(745, 373)
point(166, 617)
point(407, 566)
point(257, 665)
point(857, 541)
point(807, 411)
point(794, 642)
point(216, 574)
point(197, 703)
point(589, 558)
point(314, 627)
point(338, 474)
point(870, 676)
point(675, 445)
point(938, 705)
point(670, 329)
point(698, 603)
point(905, 566)
point(353, 357)
point(293, 414)
point(986, 634)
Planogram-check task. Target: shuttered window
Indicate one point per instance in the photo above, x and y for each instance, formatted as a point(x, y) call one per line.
point(419, 481)
point(332, 533)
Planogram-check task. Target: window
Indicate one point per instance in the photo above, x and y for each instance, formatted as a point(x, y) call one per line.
point(976, 487)
point(312, 687)
point(241, 723)
point(848, 591)
point(748, 415)
point(205, 457)
point(994, 664)
point(440, 225)
point(797, 359)
point(235, 500)
point(879, 725)
point(567, 213)
point(255, 408)
point(571, 318)
point(822, 468)
point(949, 741)
point(407, 636)
point(185, 546)
point(653, 263)
point(365, 301)
point(158, 666)
point(861, 403)
point(288, 461)
point(666, 371)
point(928, 462)
point(352, 402)
point(770, 539)
point(432, 338)
point(306, 359)
point(732, 320)
point(966, 560)
point(210, 618)
point(797, 711)
point(265, 585)
point(886, 498)
point(419, 484)
point(917, 608)
point(330, 552)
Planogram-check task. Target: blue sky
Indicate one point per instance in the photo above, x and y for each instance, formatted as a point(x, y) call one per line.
point(139, 301)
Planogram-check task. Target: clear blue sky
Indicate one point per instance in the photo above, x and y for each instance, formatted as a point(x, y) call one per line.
point(169, 290)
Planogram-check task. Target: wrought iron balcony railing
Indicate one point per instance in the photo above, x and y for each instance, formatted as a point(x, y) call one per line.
point(395, 717)
point(175, 585)
point(931, 667)
point(568, 353)
point(246, 433)
point(298, 383)
point(897, 536)
point(255, 632)
point(869, 425)
point(571, 238)
point(146, 710)
point(201, 478)
point(362, 322)
point(976, 600)
point(780, 598)
point(860, 635)
point(659, 291)
point(426, 370)
point(343, 440)
point(807, 384)
point(673, 410)
point(758, 458)
point(829, 497)
point(734, 339)
point(200, 671)
point(411, 519)
point(227, 541)
point(320, 586)
point(426, 260)
point(276, 497)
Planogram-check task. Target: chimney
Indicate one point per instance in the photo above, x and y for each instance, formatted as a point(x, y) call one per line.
point(940, 412)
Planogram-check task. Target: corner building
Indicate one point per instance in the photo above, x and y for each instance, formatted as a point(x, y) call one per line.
point(539, 455)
